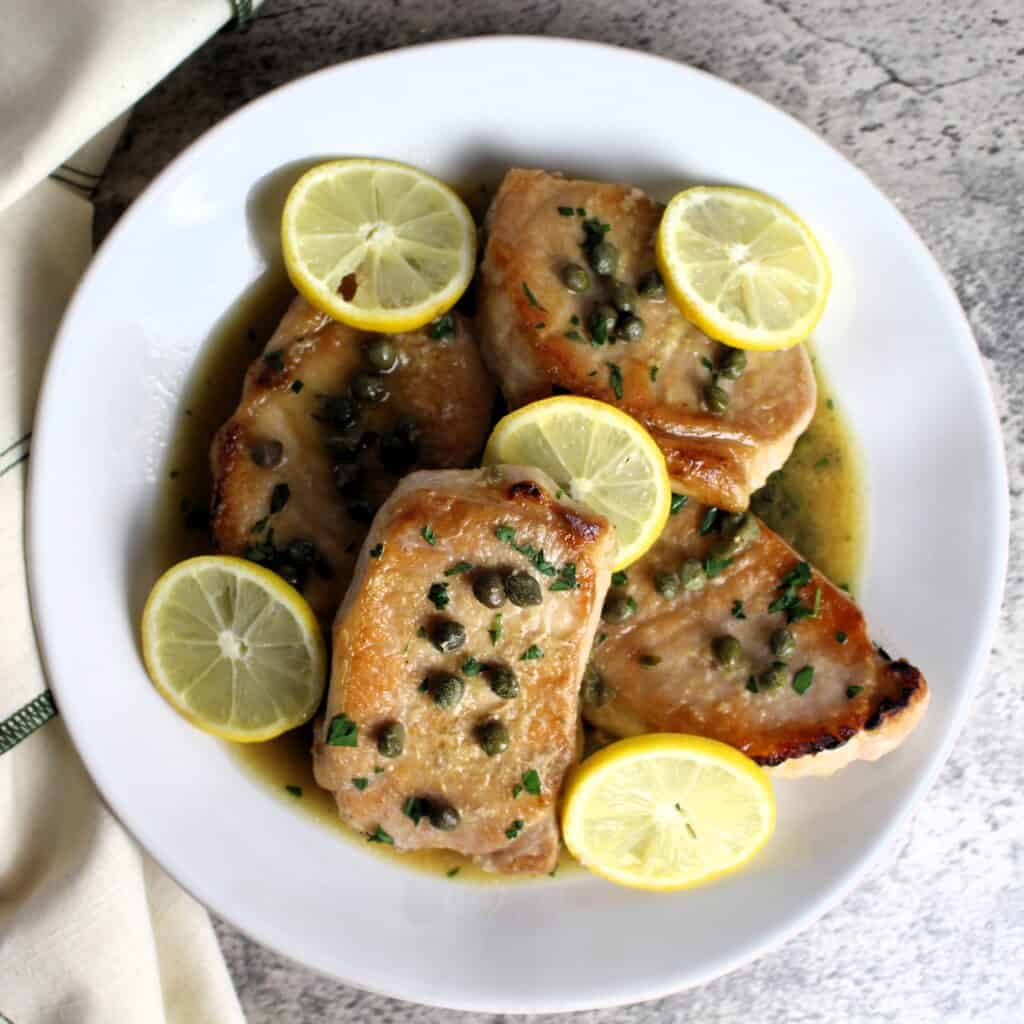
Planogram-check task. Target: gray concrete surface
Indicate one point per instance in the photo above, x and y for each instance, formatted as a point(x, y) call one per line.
point(927, 96)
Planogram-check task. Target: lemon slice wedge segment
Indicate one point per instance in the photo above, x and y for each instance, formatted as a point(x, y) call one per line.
point(667, 811)
point(600, 456)
point(743, 267)
point(233, 648)
point(377, 245)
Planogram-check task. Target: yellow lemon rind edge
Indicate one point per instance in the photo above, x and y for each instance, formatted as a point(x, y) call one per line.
point(279, 589)
point(660, 517)
point(693, 309)
point(335, 307)
point(653, 744)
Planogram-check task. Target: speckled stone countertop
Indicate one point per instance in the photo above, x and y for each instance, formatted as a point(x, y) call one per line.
point(927, 96)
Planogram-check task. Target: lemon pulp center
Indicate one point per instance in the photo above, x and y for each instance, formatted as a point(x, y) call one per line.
point(231, 646)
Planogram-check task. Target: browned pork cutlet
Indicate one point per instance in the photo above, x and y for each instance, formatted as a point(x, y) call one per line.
point(833, 698)
point(303, 464)
point(458, 652)
point(538, 337)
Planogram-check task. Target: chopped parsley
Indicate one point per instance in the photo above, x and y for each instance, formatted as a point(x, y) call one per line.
point(580, 212)
point(678, 503)
point(274, 360)
point(452, 872)
point(457, 568)
point(632, 605)
point(414, 808)
point(573, 335)
point(531, 782)
point(422, 632)
point(472, 667)
point(378, 835)
point(295, 791)
point(514, 829)
point(530, 297)
point(601, 637)
point(532, 653)
point(516, 790)
point(706, 363)
point(852, 691)
point(803, 679)
point(260, 525)
point(574, 320)
point(737, 610)
point(566, 578)
point(652, 371)
point(427, 533)
point(279, 497)
point(565, 211)
point(598, 331)
point(822, 462)
point(297, 386)
point(713, 565)
point(507, 535)
point(342, 732)
point(494, 631)
point(751, 684)
point(594, 231)
point(360, 782)
point(441, 328)
point(841, 637)
point(615, 379)
point(649, 660)
point(707, 524)
point(619, 579)
point(829, 404)
point(789, 600)
point(437, 595)
point(884, 653)
point(377, 550)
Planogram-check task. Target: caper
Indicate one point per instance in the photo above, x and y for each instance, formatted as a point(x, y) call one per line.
point(575, 278)
point(493, 737)
point(604, 258)
point(444, 817)
point(727, 651)
point(391, 739)
point(381, 355)
point(523, 590)
point(447, 690)
point(617, 609)
point(692, 575)
point(489, 589)
point(732, 364)
point(716, 398)
point(503, 682)
point(772, 678)
point(338, 410)
point(368, 387)
point(602, 323)
point(344, 443)
point(594, 691)
point(301, 552)
point(347, 477)
point(651, 285)
point(292, 573)
point(738, 536)
point(666, 583)
point(624, 297)
point(447, 635)
point(783, 643)
point(267, 454)
point(630, 328)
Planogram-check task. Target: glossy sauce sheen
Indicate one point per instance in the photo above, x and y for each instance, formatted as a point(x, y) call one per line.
point(823, 516)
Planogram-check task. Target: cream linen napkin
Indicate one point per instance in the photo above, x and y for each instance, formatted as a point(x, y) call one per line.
point(91, 931)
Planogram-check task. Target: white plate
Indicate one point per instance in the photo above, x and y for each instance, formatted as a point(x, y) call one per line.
point(895, 343)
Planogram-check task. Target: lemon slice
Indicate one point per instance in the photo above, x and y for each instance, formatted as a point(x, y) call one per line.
point(601, 457)
point(666, 811)
point(376, 244)
point(234, 648)
point(743, 267)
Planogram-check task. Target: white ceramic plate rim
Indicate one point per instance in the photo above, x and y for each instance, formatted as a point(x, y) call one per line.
point(45, 580)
